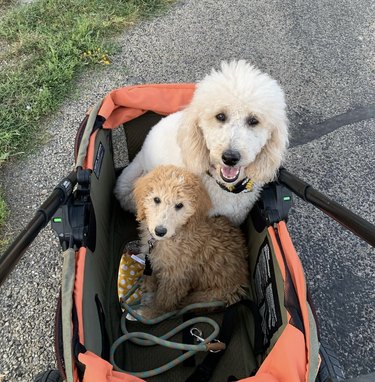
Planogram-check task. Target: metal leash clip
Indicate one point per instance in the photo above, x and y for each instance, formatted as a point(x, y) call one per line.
point(197, 333)
point(151, 243)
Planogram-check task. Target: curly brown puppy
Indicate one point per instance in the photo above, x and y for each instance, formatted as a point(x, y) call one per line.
point(195, 258)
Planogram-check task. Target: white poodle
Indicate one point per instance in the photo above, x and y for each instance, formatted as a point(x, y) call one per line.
point(234, 134)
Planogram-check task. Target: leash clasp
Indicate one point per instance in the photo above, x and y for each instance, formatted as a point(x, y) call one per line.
point(197, 333)
point(151, 243)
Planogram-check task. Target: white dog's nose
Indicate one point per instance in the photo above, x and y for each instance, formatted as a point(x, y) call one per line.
point(231, 157)
point(160, 230)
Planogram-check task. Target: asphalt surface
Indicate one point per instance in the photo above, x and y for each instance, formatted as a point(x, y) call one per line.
point(322, 53)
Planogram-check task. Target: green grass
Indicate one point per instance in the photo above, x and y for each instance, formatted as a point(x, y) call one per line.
point(44, 45)
point(3, 210)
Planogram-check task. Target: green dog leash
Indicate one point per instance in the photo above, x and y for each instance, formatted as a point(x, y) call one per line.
point(145, 339)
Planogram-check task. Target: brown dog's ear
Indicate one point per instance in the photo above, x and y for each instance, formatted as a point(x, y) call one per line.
point(204, 203)
point(192, 143)
point(198, 194)
point(142, 187)
point(195, 191)
point(268, 161)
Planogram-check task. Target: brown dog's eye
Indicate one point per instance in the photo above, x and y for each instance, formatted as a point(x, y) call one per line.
point(157, 200)
point(178, 206)
point(221, 117)
point(252, 121)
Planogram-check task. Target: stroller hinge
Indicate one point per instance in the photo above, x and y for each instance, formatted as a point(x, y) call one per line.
point(275, 203)
point(71, 221)
point(83, 181)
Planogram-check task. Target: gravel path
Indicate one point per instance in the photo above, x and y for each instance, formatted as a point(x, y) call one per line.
point(322, 54)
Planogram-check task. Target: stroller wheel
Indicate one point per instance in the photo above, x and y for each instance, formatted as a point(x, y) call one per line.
point(330, 369)
point(49, 376)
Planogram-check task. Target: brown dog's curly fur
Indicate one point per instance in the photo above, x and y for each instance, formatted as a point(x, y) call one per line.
point(199, 258)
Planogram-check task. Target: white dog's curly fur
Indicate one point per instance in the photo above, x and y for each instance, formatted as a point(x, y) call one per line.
point(234, 128)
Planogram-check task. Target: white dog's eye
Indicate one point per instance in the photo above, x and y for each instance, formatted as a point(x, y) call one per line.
point(157, 200)
point(178, 206)
point(221, 117)
point(252, 121)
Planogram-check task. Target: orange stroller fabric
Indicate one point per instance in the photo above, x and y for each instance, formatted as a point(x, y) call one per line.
point(124, 104)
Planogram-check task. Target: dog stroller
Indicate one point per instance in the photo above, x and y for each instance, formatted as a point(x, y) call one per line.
point(272, 338)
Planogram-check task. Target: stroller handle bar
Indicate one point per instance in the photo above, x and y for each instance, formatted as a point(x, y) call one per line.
point(354, 223)
point(359, 226)
point(58, 197)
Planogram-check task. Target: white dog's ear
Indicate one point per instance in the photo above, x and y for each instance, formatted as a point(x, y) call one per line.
point(192, 143)
point(268, 161)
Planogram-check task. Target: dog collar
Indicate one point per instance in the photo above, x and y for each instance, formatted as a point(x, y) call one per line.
point(244, 185)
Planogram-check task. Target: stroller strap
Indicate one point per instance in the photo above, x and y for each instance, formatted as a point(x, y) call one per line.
point(67, 303)
point(204, 371)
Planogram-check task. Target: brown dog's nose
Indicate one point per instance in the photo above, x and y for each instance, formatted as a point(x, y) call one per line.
point(160, 230)
point(231, 157)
